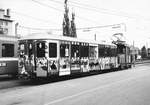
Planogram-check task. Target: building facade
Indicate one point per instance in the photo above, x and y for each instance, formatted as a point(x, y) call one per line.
point(5, 22)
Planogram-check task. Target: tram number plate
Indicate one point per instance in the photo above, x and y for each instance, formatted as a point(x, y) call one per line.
point(2, 64)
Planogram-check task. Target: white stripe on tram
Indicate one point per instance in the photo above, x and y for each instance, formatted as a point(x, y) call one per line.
point(9, 59)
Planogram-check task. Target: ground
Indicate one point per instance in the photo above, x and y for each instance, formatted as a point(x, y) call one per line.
point(126, 87)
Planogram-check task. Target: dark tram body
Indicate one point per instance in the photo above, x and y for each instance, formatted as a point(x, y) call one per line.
point(8, 55)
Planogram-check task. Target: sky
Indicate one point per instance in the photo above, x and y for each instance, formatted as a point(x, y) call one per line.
point(130, 17)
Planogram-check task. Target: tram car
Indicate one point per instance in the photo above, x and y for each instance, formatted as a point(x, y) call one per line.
point(44, 55)
point(8, 55)
point(124, 55)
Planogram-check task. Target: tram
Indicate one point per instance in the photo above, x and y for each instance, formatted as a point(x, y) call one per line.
point(45, 55)
point(124, 55)
point(8, 55)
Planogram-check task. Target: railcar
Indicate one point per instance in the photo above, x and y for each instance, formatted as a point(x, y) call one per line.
point(45, 55)
point(8, 55)
point(123, 54)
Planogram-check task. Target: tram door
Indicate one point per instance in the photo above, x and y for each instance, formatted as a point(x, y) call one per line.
point(64, 61)
point(41, 59)
point(26, 57)
point(84, 56)
point(52, 57)
point(75, 58)
point(93, 57)
point(46, 58)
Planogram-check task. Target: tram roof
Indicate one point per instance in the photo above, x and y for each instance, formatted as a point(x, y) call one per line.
point(46, 36)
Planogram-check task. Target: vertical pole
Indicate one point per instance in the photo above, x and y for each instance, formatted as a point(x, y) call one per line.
point(16, 29)
point(95, 37)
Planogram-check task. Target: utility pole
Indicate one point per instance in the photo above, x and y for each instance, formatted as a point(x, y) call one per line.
point(16, 29)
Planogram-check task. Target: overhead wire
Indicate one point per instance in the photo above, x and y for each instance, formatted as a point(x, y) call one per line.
point(37, 19)
point(104, 10)
point(82, 28)
point(46, 5)
point(31, 17)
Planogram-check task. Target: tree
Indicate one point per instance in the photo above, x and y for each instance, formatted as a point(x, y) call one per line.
point(66, 22)
point(143, 52)
point(73, 26)
point(69, 27)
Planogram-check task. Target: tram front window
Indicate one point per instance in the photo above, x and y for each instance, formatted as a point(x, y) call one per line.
point(121, 49)
point(7, 50)
point(21, 49)
point(40, 49)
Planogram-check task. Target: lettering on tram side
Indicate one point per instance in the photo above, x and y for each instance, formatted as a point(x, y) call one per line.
point(3, 64)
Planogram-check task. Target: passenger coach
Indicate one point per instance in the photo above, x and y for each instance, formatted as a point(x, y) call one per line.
point(45, 55)
point(8, 55)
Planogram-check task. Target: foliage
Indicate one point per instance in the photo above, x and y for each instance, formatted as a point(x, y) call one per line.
point(144, 52)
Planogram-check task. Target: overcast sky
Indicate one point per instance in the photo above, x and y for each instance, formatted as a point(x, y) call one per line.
point(132, 15)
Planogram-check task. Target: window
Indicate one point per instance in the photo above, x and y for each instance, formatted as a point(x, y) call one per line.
point(1, 22)
point(6, 23)
point(75, 51)
point(7, 50)
point(1, 31)
point(121, 49)
point(101, 50)
point(84, 51)
point(40, 49)
point(113, 51)
point(5, 31)
point(64, 50)
point(52, 49)
point(22, 47)
point(93, 51)
point(108, 50)
point(30, 49)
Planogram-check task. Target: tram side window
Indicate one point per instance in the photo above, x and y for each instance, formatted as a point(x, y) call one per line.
point(75, 51)
point(52, 49)
point(109, 51)
point(64, 50)
point(113, 51)
point(101, 50)
point(84, 51)
point(41, 49)
point(92, 51)
point(7, 50)
point(30, 49)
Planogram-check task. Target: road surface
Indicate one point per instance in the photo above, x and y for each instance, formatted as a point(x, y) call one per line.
point(126, 87)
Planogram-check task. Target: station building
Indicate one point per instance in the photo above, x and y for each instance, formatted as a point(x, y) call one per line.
point(5, 22)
